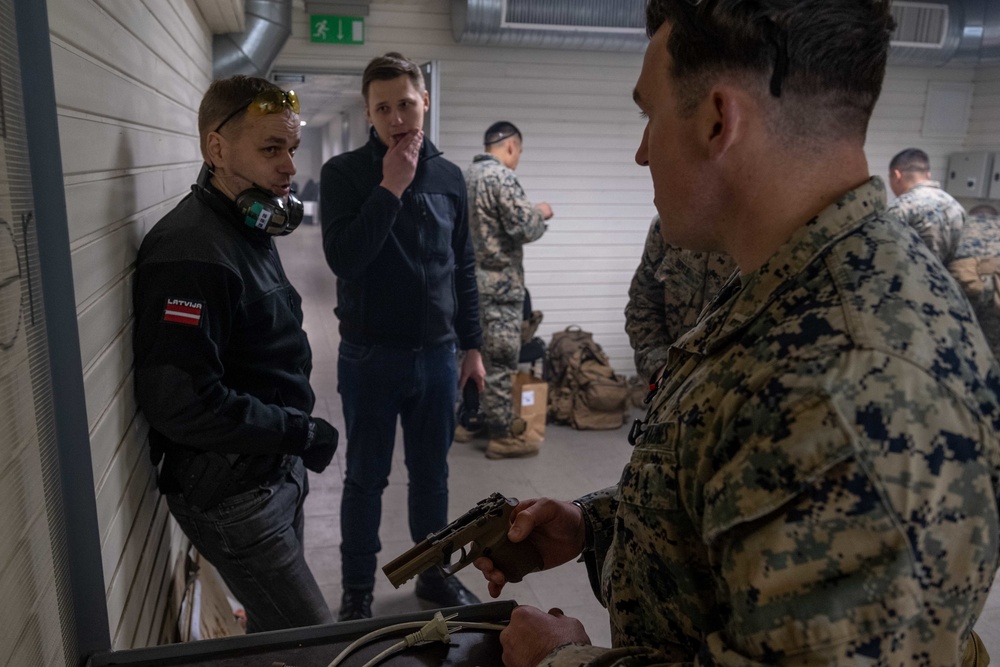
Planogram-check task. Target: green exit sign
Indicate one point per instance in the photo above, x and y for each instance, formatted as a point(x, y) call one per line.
point(327, 29)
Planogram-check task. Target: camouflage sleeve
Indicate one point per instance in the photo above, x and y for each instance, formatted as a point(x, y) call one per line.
point(522, 222)
point(924, 226)
point(599, 510)
point(812, 562)
point(645, 312)
point(936, 221)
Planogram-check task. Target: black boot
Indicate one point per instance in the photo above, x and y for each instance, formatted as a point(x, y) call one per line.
point(355, 604)
point(445, 591)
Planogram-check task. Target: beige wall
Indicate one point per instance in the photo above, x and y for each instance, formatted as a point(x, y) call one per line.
point(128, 76)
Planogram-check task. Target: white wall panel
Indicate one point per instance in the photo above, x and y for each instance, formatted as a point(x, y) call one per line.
point(89, 145)
point(984, 128)
point(129, 77)
point(100, 322)
point(120, 424)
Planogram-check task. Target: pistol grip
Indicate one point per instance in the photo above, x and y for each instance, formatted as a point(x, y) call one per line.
point(514, 559)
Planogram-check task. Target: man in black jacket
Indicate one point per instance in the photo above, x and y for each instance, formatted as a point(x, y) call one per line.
point(222, 363)
point(396, 234)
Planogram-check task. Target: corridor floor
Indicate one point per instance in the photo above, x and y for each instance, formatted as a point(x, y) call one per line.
point(570, 464)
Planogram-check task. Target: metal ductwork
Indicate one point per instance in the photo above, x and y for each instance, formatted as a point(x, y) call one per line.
point(592, 25)
point(268, 27)
point(929, 32)
point(936, 32)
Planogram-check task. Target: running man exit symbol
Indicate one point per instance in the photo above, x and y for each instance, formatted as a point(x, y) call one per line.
point(326, 29)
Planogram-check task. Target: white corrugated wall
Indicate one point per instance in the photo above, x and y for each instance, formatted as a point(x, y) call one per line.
point(129, 77)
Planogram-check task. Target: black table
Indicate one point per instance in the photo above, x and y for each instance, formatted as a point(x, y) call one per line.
point(316, 646)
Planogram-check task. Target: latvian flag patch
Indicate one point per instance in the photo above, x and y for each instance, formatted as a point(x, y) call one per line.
point(182, 311)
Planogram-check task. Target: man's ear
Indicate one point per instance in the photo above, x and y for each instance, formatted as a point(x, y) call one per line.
point(427, 101)
point(214, 149)
point(724, 119)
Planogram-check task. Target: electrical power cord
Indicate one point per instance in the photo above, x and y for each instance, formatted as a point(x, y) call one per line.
point(438, 628)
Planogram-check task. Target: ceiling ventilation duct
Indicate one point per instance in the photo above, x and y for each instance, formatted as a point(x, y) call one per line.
point(929, 32)
point(936, 32)
point(268, 27)
point(592, 25)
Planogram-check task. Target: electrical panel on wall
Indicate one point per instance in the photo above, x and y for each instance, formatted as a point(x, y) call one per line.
point(969, 174)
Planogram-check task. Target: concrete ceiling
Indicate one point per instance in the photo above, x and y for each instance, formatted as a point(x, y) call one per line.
point(323, 96)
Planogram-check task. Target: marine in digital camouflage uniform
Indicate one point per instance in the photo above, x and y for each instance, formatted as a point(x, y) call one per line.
point(816, 480)
point(933, 213)
point(976, 267)
point(501, 221)
point(669, 290)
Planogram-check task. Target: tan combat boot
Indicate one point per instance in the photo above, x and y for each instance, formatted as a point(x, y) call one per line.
point(510, 447)
point(463, 434)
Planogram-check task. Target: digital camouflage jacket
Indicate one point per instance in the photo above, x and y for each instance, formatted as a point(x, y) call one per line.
point(816, 482)
point(501, 221)
point(976, 267)
point(935, 215)
point(669, 290)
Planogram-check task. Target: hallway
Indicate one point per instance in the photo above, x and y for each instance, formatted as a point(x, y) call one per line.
point(570, 464)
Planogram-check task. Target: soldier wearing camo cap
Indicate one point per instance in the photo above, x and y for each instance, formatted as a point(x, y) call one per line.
point(816, 480)
point(923, 205)
point(670, 288)
point(501, 221)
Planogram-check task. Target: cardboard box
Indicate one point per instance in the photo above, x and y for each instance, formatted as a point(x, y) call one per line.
point(530, 395)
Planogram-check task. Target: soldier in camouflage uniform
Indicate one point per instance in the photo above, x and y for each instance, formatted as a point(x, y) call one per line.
point(501, 221)
point(669, 290)
point(816, 479)
point(923, 205)
point(976, 267)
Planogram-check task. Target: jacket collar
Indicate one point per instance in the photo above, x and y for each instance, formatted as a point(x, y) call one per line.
point(744, 297)
point(427, 149)
point(484, 157)
point(226, 209)
point(936, 185)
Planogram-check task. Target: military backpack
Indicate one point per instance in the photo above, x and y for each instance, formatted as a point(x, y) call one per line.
point(976, 268)
point(584, 391)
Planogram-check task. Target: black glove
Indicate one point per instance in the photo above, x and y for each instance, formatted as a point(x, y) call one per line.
point(321, 444)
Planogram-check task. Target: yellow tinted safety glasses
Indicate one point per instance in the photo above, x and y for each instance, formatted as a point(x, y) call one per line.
point(266, 103)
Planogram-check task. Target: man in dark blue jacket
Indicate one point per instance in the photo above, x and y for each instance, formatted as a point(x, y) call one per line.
point(396, 234)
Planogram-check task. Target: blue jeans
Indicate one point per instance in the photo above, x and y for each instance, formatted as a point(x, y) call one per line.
point(377, 385)
point(254, 540)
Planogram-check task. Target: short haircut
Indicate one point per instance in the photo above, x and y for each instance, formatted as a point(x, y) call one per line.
point(912, 159)
point(822, 60)
point(225, 96)
point(388, 67)
point(500, 131)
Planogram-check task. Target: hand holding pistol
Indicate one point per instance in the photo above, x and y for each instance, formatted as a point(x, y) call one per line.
point(482, 531)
